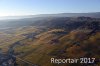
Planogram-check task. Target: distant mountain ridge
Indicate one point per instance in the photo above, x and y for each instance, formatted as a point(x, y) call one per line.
point(94, 15)
point(91, 14)
point(50, 20)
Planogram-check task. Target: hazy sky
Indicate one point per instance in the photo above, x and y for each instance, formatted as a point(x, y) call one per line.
point(31, 7)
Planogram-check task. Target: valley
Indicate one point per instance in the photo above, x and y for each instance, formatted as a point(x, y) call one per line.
point(37, 40)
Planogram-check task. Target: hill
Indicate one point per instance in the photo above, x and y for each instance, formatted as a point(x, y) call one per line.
point(37, 40)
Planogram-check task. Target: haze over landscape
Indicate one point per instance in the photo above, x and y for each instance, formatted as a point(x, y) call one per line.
point(34, 31)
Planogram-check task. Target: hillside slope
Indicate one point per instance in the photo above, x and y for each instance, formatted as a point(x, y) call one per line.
point(59, 37)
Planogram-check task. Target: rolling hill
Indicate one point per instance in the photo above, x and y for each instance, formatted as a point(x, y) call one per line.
point(37, 39)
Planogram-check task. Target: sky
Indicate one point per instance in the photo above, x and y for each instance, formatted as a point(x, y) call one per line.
point(33, 7)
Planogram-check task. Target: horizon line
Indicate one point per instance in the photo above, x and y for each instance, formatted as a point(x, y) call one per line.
point(44, 14)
